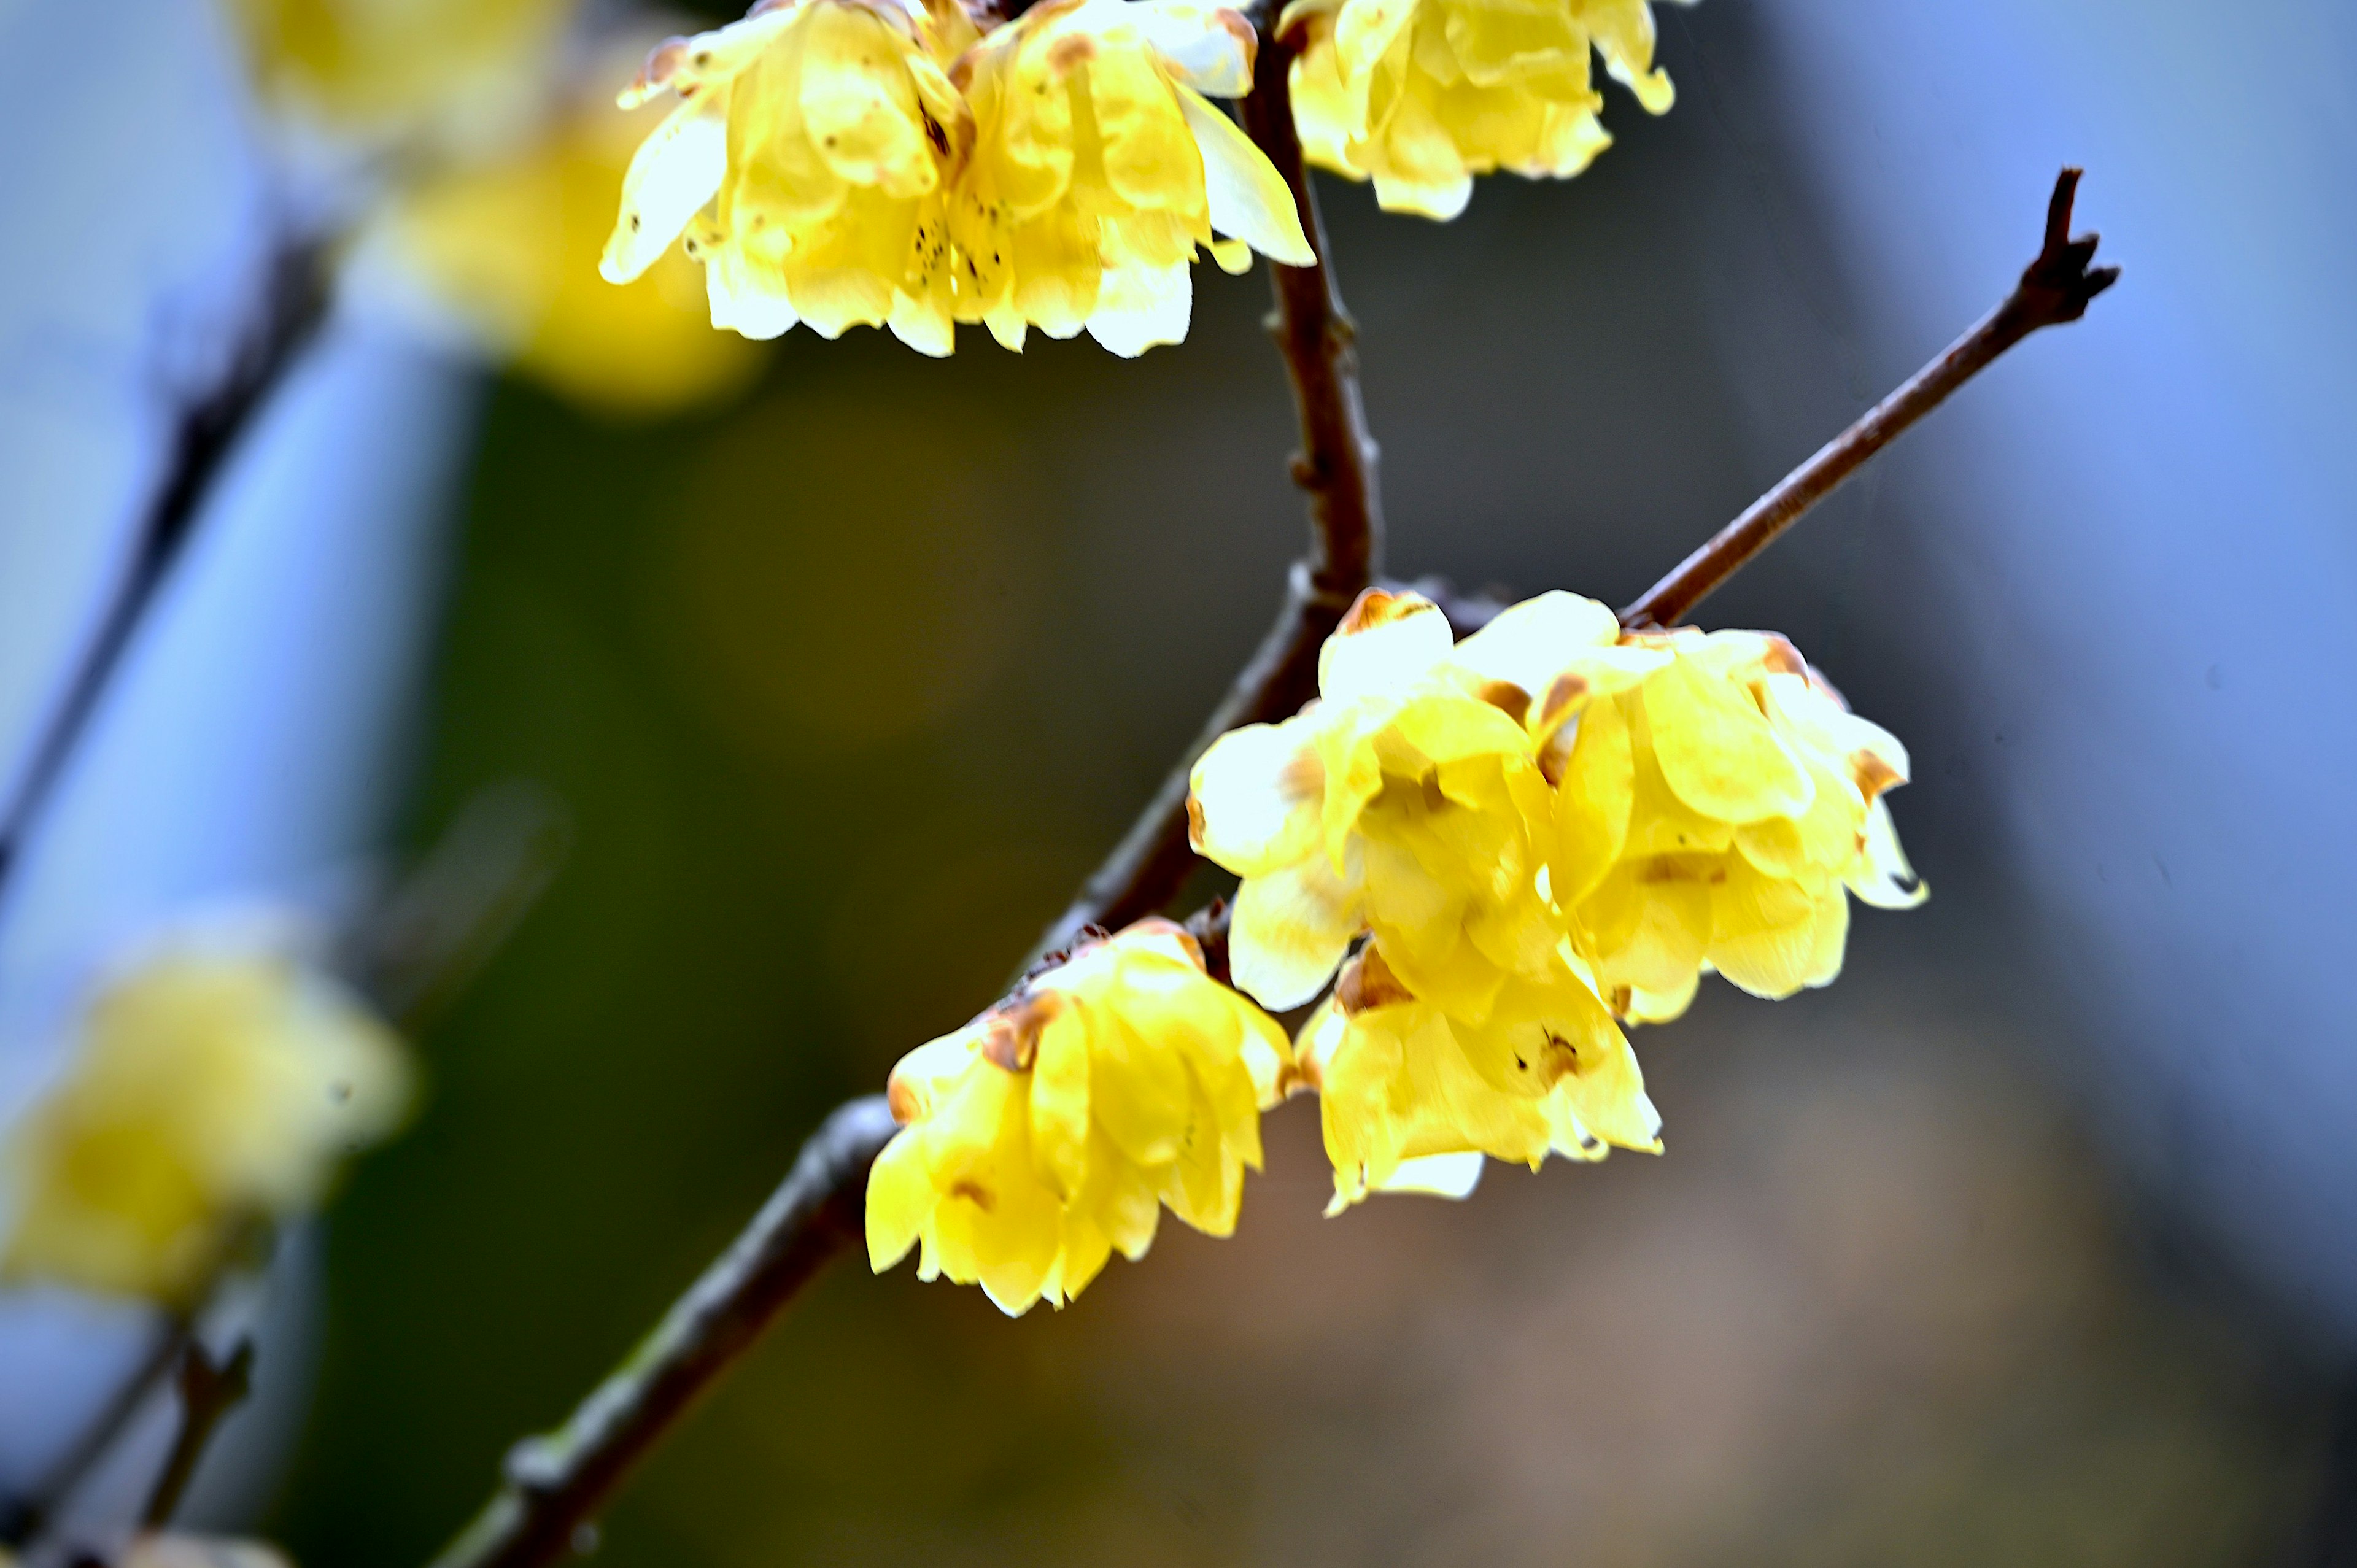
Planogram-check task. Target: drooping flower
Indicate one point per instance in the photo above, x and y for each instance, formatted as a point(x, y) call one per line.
point(1422, 95)
point(1716, 801)
point(809, 165)
point(208, 1090)
point(1402, 801)
point(1100, 167)
point(1053, 1129)
point(1412, 1099)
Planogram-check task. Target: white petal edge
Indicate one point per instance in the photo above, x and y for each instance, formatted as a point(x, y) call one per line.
point(1248, 198)
point(1438, 1176)
point(677, 169)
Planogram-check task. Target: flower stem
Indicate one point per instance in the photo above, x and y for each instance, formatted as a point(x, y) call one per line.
point(1336, 470)
point(208, 1391)
point(2056, 289)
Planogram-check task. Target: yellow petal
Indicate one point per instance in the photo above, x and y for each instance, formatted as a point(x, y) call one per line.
point(1290, 930)
point(1717, 751)
point(1438, 1176)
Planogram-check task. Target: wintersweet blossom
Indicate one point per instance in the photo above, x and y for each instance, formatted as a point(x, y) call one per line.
point(431, 66)
point(1402, 801)
point(1412, 1099)
point(1422, 95)
point(1053, 1129)
point(1100, 167)
point(807, 164)
point(512, 242)
point(208, 1090)
point(1716, 801)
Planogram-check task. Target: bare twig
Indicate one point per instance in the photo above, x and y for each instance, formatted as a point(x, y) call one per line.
point(208, 431)
point(557, 1484)
point(1335, 467)
point(208, 1391)
point(2056, 289)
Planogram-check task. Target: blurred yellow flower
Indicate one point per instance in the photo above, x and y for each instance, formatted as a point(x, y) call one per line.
point(1422, 95)
point(154, 1551)
point(1049, 1131)
point(1715, 799)
point(368, 66)
point(1099, 167)
point(512, 245)
point(207, 1090)
point(1402, 801)
point(1411, 1099)
point(807, 164)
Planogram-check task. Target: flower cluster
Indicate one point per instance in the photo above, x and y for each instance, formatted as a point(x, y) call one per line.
point(1054, 1129)
point(208, 1090)
point(1422, 95)
point(871, 162)
point(1541, 833)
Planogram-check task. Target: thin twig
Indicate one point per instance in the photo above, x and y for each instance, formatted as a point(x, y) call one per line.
point(1335, 468)
point(207, 433)
point(2056, 289)
point(557, 1484)
point(208, 1391)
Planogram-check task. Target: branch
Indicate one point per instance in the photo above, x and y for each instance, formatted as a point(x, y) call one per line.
point(208, 1394)
point(555, 1484)
point(1335, 469)
point(2055, 289)
point(26, 1516)
point(207, 433)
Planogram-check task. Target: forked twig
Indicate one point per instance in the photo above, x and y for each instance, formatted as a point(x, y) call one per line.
point(2055, 288)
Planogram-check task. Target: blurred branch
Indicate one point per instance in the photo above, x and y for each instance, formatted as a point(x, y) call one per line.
point(555, 1484)
point(429, 936)
point(208, 1391)
point(2055, 289)
point(207, 432)
point(1335, 468)
point(27, 1518)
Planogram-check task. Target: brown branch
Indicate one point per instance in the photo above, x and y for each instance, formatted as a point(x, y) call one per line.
point(207, 433)
point(208, 1394)
point(557, 1484)
point(1335, 468)
point(2055, 289)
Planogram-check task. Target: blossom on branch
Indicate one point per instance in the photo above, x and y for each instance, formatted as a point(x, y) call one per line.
point(1716, 802)
point(1054, 1128)
point(859, 162)
point(1100, 169)
point(1412, 1099)
point(1422, 95)
point(210, 1089)
point(807, 164)
point(1402, 801)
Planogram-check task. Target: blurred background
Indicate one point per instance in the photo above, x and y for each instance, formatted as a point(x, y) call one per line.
point(2034, 1239)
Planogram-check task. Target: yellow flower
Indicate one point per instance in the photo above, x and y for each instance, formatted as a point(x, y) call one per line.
point(1422, 95)
point(1099, 167)
point(513, 242)
point(153, 1551)
point(367, 65)
point(809, 164)
point(1411, 1099)
point(1402, 801)
point(1049, 1131)
point(208, 1090)
point(1715, 797)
